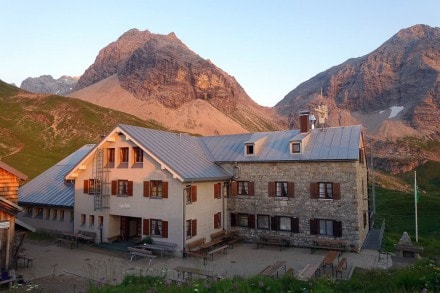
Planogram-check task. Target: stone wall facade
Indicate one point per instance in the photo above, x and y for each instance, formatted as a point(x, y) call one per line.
point(351, 209)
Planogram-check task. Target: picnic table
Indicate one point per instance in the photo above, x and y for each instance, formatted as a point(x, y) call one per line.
point(309, 271)
point(329, 259)
point(162, 246)
point(186, 273)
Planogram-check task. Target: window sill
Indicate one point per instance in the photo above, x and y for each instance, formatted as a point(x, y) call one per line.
point(122, 195)
point(123, 165)
point(138, 165)
point(156, 197)
point(281, 198)
point(325, 199)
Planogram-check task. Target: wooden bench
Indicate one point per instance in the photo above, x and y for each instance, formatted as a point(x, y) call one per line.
point(309, 271)
point(223, 249)
point(114, 238)
point(328, 244)
point(86, 235)
point(140, 252)
point(342, 265)
point(232, 238)
point(194, 249)
point(273, 270)
point(273, 240)
point(218, 235)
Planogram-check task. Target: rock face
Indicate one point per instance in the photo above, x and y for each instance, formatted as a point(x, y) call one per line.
point(394, 92)
point(46, 84)
point(161, 69)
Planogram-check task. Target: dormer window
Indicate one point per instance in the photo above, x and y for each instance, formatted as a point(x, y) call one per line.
point(249, 149)
point(295, 148)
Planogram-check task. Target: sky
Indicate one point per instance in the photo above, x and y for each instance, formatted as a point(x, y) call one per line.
point(270, 47)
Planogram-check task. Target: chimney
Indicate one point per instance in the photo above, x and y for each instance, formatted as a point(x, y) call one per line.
point(304, 122)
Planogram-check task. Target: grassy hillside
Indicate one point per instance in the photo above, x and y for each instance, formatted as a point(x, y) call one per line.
point(39, 130)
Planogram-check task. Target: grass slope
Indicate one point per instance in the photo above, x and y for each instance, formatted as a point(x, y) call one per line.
point(37, 131)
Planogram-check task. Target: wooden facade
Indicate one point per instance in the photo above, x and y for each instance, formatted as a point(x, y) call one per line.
point(9, 184)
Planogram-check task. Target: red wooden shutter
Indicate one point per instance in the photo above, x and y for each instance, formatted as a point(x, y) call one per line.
point(290, 189)
point(217, 190)
point(86, 187)
point(146, 227)
point(251, 221)
point(294, 225)
point(337, 228)
point(336, 190)
point(314, 190)
point(314, 226)
point(130, 188)
point(194, 227)
point(215, 221)
point(164, 229)
point(234, 188)
point(193, 193)
point(271, 189)
point(251, 188)
point(274, 223)
point(147, 188)
point(114, 187)
point(165, 189)
point(233, 220)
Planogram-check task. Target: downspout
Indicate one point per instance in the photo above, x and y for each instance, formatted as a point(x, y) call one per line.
point(183, 222)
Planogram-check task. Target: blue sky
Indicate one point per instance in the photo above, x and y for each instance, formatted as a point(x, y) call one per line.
point(270, 47)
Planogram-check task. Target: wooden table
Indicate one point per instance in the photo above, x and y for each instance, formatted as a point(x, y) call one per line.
point(272, 271)
point(211, 244)
point(189, 272)
point(329, 259)
point(308, 272)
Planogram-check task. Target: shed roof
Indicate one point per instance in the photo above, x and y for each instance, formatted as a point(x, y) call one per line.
point(13, 171)
point(50, 188)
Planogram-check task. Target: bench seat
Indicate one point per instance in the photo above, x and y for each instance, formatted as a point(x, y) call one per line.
point(223, 249)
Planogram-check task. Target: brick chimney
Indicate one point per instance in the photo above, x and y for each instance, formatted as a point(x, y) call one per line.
point(304, 122)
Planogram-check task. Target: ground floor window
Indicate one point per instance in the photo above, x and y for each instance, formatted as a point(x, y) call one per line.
point(263, 222)
point(156, 227)
point(326, 227)
point(242, 220)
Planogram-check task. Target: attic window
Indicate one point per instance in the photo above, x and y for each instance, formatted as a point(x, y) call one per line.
point(249, 149)
point(295, 148)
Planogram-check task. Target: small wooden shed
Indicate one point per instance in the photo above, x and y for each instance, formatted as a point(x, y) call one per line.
point(9, 183)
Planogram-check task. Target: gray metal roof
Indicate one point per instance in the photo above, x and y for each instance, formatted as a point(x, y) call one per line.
point(49, 188)
point(199, 158)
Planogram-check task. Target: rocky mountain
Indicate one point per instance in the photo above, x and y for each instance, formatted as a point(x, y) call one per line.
point(46, 84)
point(394, 92)
point(158, 77)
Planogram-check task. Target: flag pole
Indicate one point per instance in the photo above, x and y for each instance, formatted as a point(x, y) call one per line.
point(415, 205)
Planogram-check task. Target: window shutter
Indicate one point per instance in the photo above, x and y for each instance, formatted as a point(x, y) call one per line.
point(234, 188)
point(114, 187)
point(216, 221)
point(146, 227)
point(294, 225)
point(194, 227)
point(271, 189)
point(165, 189)
point(86, 186)
point(217, 190)
point(314, 190)
point(336, 190)
point(193, 193)
point(274, 223)
point(146, 188)
point(251, 221)
point(290, 189)
point(251, 188)
point(233, 220)
point(164, 229)
point(314, 226)
point(337, 228)
point(130, 188)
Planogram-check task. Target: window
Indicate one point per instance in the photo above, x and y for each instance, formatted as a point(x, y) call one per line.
point(156, 227)
point(217, 220)
point(156, 188)
point(190, 194)
point(94, 186)
point(91, 220)
point(281, 189)
point(83, 220)
point(217, 190)
point(123, 157)
point(61, 218)
point(191, 228)
point(249, 148)
point(138, 155)
point(243, 187)
point(326, 227)
point(54, 214)
point(28, 212)
point(295, 148)
point(110, 157)
point(48, 214)
point(263, 222)
point(242, 220)
point(284, 223)
point(122, 187)
point(325, 190)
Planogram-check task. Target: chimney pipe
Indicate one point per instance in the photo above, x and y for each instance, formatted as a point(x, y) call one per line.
point(304, 122)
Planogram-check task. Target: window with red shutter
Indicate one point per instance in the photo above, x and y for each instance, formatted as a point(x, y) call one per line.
point(290, 189)
point(130, 188)
point(193, 193)
point(86, 187)
point(314, 190)
point(164, 229)
point(165, 189)
point(146, 188)
point(114, 187)
point(234, 188)
point(271, 189)
point(194, 227)
point(217, 190)
point(336, 191)
point(251, 189)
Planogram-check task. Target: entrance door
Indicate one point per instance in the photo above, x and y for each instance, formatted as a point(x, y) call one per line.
point(130, 227)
